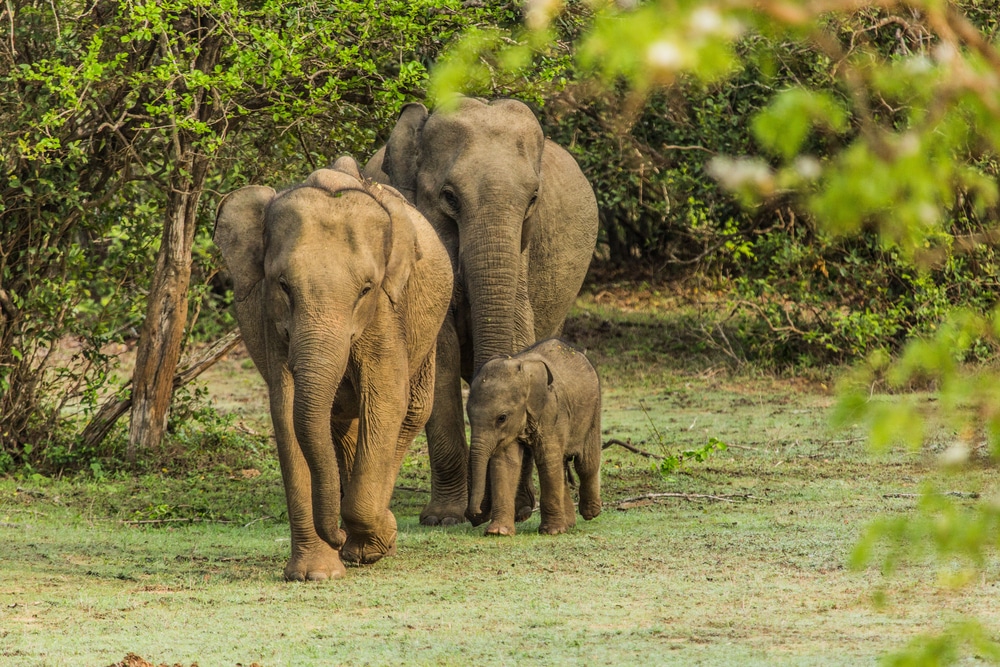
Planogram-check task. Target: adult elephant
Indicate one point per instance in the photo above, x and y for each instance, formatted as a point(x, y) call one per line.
point(340, 288)
point(519, 220)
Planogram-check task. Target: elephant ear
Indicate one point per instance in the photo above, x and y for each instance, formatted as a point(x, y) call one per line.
point(539, 377)
point(402, 151)
point(543, 197)
point(402, 248)
point(239, 233)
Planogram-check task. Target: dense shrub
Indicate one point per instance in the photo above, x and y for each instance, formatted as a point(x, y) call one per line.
point(801, 295)
point(93, 98)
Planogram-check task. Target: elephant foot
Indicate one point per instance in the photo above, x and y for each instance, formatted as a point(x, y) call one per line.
point(443, 514)
point(333, 536)
point(477, 519)
point(524, 502)
point(316, 562)
point(589, 510)
point(499, 530)
point(365, 549)
point(366, 552)
point(551, 529)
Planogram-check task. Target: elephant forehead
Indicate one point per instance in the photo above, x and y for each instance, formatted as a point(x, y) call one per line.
point(348, 220)
point(492, 396)
point(496, 375)
point(492, 128)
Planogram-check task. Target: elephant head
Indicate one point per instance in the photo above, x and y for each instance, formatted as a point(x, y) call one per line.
point(318, 260)
point(507, 400)
point(476, 175)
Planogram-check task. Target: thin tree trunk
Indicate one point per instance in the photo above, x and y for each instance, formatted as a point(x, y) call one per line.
point(166, 313)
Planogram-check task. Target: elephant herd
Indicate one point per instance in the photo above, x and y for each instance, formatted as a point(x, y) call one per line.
point(366, 296)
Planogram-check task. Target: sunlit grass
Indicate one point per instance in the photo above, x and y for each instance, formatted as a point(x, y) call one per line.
point(184, 565)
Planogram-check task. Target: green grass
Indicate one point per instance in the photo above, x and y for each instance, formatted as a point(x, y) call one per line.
point(758, 580)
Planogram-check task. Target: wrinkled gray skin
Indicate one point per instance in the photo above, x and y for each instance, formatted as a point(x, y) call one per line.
point(340, 288)
point(519, 220)
point(546, 399)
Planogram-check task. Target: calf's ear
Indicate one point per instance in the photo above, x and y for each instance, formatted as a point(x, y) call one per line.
point(539, 379)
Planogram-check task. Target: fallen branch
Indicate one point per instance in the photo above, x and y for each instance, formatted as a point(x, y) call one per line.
point(729, 445)
point(193, 519)
point(632, 448)
point(115, 407)
point(414, 489)
point(728, 498)
point(954, 494)
point(260, 518)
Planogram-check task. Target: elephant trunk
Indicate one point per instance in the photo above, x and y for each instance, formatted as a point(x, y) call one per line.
point(318, 364)
point(497, 291)
point(479, 458)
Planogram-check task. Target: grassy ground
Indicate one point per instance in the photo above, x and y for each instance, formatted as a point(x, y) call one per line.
point(184, 565)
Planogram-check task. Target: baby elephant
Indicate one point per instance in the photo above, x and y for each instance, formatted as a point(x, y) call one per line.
point(547, 398)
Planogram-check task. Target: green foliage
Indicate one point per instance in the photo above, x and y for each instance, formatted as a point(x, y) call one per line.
point(847, 169)
point(96, 100)
point(672, 463)
point(785, 124)
point(946, 648)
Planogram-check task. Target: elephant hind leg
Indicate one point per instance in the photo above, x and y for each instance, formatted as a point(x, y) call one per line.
point(569, 510)
point(446, 445)
point(588, 468)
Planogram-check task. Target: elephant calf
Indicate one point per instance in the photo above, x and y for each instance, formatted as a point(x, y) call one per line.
point(548, 399)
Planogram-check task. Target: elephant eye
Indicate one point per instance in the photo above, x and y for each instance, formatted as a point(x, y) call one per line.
point(365, 290)
point(534, 199)
point(283, 284)
point(451, 201)
point(501, 420)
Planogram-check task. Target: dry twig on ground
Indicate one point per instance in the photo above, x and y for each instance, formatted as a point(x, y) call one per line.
point(727, 498)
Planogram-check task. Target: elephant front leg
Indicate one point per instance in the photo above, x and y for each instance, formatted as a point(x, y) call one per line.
point(446, 444)
point(525, 500)
point(557, 503)
point(370, 525)
point(312, 559)
point(505, 468)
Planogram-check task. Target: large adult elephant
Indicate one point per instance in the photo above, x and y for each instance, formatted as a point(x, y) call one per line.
point(340, 288)
point(519, 220)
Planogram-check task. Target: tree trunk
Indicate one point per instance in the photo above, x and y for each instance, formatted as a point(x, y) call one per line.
point(166, 313)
